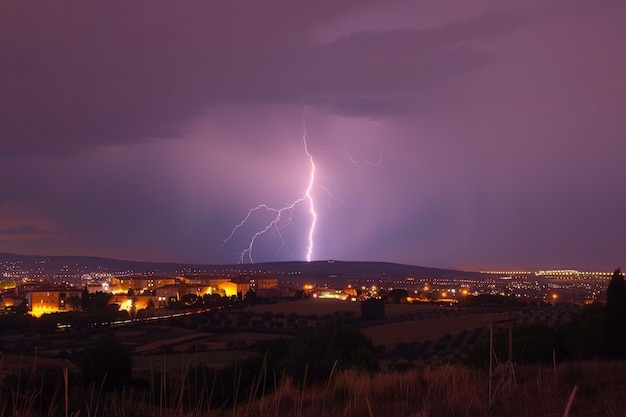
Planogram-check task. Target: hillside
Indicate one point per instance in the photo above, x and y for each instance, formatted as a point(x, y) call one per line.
point(322, 270)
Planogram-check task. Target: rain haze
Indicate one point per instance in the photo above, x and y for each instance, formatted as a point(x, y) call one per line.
point(469, 135)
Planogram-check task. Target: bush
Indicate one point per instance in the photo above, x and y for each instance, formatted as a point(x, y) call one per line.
point(107, 363)
point(314, 353)
point(373, 309)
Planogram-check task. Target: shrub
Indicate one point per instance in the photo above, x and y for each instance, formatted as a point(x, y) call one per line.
point(373, 309)
point(107, 363)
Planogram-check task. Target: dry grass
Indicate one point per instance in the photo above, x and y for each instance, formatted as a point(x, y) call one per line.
point(453, 391)
point(213, 359)
point(426, 392)
point(13, 363)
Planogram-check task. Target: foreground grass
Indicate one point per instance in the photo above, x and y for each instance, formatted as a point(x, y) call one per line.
point(455, 391)
point(441, 391)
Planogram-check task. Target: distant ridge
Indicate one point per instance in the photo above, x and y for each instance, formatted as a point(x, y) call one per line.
point(334, 269)
point(366, 269)
point(94, 263)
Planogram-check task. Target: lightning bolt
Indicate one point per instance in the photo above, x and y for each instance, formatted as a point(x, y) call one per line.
point(360, 163)
point(307, 194)
point(282, 217)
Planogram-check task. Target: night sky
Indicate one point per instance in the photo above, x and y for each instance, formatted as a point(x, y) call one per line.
point(461, 134)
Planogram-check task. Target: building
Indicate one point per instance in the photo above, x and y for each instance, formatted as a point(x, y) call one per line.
point(139, 284)
point(203, 280)
point(173, 293)
point(52, 300)
point(10, 300)
point(134, 303)
point(237, 286)
point(262, 283)
point(241, 285)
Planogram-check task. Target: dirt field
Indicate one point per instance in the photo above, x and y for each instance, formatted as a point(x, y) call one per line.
point(173, 341)
point(391, 334)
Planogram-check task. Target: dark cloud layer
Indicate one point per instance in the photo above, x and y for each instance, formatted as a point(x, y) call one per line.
point(78, 74)
point(84, 74)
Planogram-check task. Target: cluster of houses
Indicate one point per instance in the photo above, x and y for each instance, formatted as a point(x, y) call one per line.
point(137, 293)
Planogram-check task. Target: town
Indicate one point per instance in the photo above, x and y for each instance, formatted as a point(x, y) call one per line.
point(190, 324)
point(27, 286)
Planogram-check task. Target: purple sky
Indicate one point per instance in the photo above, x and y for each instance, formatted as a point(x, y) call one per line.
point(482, 134)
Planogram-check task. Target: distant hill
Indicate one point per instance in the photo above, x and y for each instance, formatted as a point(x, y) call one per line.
point(51, 265)
point(367, 270)
point(320, 270)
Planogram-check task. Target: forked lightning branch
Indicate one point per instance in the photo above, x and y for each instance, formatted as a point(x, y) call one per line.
point(282, 216)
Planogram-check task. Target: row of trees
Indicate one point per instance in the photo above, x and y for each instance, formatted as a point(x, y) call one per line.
point(615, 317)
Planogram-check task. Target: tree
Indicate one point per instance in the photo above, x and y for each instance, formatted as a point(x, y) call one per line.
point(373, 309)
point(107, 363)
point(189, 299)
point(94, 301)
point(583, 336)
point(86, 300)
point(313, 353)
point(75, 302)
point(397, 295)
point(615, 313)
point(250, 297)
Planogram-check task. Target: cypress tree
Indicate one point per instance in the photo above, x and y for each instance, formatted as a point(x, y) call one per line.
point(615, 310)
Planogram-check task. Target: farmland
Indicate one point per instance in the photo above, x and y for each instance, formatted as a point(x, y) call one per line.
point(410, 337)
point(442, 332)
